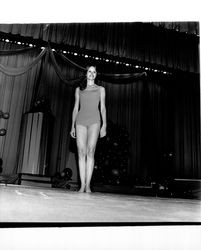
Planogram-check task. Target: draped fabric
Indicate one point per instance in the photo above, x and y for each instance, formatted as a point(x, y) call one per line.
point(15, 98)
point(144, 42)
point(188, 27)
point(161, 113)
point(186, 119)
point(16, 51)
point(13, 71)
point(61, 97)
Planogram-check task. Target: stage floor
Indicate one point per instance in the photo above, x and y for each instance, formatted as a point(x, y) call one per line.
point(30, 204)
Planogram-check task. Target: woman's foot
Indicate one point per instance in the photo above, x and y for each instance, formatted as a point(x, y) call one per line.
point(88, 190)
point(82, 189)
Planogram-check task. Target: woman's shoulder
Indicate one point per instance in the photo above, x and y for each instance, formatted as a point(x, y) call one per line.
point(102, 89)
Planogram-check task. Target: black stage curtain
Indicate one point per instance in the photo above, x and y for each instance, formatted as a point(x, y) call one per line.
point(135, 40)
point(161, 114)
point(18, 78)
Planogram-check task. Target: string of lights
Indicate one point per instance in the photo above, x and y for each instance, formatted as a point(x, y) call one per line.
point(105, 58)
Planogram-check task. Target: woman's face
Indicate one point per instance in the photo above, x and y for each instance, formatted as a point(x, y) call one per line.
point(91, 73)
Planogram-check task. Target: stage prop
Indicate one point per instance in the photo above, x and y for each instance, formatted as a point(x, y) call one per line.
point(35, 148)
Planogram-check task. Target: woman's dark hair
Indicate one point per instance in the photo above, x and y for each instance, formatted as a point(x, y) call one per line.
point(83, 84)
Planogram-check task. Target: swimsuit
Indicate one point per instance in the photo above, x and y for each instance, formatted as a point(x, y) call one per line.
point(89, 113)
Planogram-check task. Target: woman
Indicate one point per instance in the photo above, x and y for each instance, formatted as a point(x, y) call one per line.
point(87, 125)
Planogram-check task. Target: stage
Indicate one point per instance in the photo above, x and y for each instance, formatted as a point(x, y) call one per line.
point(30, 204)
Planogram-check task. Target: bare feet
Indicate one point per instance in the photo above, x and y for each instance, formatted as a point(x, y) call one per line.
point(82, 189)
point(88, 190)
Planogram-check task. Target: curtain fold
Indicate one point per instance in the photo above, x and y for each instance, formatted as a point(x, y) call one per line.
point(140, 41)
point(11, 71)
point(16, 51)
point(187, 139)
point(59, 73)
point(16, 94)
point(161, 113)
point(111, 78)
point(188, 27)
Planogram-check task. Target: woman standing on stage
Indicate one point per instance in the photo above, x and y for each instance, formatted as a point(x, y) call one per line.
point(87, 125)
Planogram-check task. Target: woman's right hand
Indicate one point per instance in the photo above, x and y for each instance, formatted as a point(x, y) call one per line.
point(72, 133)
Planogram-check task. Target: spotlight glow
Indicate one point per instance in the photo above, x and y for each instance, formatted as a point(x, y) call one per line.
point(75, 54)
point(137, 66)
point(97, 58)
point(107, 60)
point(19, 43)
point(86, 56)
point(7, 41)
point(30, 45)
point(64, 51)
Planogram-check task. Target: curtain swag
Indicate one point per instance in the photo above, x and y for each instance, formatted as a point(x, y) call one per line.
point(71, 62)
point(16, 51)
point(70, 82)
point(11, 71)
point(112, 78)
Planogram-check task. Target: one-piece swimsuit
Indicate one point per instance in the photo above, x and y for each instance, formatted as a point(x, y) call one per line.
point(89, 102)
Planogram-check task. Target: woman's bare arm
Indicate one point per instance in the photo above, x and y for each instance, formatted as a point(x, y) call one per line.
point(75, 111)
point(103, 112)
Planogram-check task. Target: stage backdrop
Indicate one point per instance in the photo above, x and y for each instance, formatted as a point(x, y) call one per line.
point(161, 114)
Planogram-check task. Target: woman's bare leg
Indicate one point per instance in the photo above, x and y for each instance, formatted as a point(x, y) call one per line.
point(92, 137)
point(81, 138)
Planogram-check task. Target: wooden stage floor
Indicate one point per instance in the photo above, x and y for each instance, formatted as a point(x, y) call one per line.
point(30, 204)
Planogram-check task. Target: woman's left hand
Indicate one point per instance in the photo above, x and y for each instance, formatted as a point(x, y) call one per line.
point(102, 131)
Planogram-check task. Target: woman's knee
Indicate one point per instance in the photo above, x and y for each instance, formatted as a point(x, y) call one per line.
point(82, 152)
point(91, 151)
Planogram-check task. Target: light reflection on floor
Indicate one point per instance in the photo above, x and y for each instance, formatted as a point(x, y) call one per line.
point(28, 204)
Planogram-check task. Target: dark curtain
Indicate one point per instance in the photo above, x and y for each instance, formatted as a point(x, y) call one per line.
point(135, 40)
point(187, 27)
point(61, 98)
point(186, 119)
point(15, 98)
point(161, 113)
